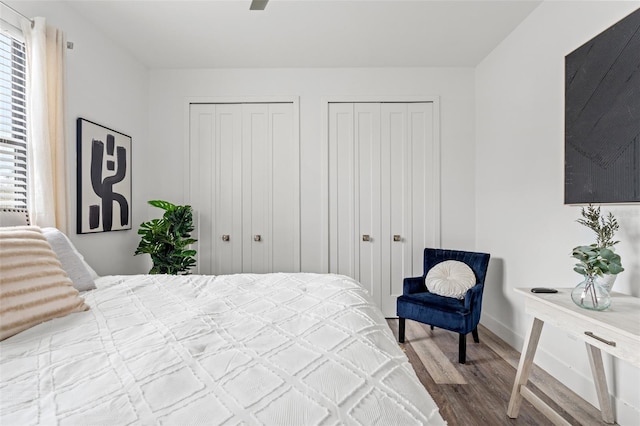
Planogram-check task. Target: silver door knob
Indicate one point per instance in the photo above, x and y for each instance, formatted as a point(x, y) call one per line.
point(225, 237)
point(257, 238)
point(366, 237)
point(396, 238)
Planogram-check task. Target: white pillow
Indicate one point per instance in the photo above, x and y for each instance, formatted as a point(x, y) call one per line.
point(450, 278)
point(81, 274)
point(33, 286)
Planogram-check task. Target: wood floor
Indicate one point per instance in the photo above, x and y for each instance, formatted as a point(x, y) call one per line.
point(477, 393)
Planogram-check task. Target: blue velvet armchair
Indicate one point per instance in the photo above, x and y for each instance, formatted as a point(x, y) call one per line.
point(457, 315)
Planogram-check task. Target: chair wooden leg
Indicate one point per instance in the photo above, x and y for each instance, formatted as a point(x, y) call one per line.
point(401, 330)
point(462, 349)
point(475, 335)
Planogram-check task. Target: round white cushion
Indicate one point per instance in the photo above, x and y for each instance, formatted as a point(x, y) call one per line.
point(450, 279)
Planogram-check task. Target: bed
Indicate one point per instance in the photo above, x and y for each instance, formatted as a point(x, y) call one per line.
point(272, 349)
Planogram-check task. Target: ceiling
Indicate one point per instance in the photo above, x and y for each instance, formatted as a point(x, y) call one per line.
point(306, 33)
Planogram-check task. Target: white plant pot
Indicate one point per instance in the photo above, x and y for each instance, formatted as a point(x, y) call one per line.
point(607, 281)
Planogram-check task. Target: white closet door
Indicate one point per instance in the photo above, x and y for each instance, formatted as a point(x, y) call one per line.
point(424, 183)
point(284, 244)
point(215, 186)
point(347, 229)
point(344, 238)
point(383, 194)
point(396, 202)
point(410, 193)
point(270, 189)
point(354, 206)
point(244, 187)
point(256, 188)
point(227, 181)
point(201, 128)
point(367, 204)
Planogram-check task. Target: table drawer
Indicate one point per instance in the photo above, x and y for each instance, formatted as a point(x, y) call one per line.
point(616, 344)
point(598, 334)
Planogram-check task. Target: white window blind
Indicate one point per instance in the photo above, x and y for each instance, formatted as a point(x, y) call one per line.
point(13, 123)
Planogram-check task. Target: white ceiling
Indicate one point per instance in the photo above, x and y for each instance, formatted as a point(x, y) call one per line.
point(306, 33)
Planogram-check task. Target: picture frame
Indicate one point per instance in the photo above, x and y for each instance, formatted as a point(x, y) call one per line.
point(103, 178)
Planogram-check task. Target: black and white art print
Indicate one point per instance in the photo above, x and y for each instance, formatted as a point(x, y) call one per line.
point(104, 178)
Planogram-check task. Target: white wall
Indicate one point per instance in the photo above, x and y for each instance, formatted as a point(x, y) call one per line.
point(171, 89)
point(108, 86)
point(520, 214)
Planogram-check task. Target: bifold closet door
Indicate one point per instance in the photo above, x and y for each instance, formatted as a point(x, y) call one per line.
point(244, 187)
point(270, 198)
point(354, 146)
point(410, 194)
point(216, 186)
point(382, 194)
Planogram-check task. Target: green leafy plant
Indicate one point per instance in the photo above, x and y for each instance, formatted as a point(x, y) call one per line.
point(604, 227)
point(594, 260)
point(167, 239)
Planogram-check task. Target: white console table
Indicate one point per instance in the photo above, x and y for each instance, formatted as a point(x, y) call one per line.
point(615, 331)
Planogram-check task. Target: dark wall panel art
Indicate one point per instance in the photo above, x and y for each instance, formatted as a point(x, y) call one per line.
point(104, 178)
point(602, 117)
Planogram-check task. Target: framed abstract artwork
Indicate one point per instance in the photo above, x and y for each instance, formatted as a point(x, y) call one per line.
point(602, 117)
point(103, 177)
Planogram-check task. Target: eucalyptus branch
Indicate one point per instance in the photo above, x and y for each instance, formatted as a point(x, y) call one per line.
point(604, 227)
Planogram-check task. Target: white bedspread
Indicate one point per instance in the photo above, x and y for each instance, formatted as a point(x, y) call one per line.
point(274, 349)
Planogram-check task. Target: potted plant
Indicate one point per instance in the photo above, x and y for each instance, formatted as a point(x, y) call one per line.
point(597, 260)
point(605, 228)
point(594, 261)
point(167, 239)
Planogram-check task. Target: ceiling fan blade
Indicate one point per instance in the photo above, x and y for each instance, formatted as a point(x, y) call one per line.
point(258, 4)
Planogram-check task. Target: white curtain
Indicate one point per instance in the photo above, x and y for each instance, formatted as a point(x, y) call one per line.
point(47, 189)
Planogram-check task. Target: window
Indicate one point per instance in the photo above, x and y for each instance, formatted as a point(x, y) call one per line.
point(13, 123)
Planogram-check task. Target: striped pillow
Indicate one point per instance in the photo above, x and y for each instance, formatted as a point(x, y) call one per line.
point(33, 286)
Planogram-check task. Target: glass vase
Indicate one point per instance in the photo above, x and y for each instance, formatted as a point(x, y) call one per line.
point(591, 295)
